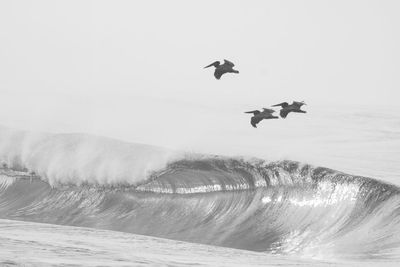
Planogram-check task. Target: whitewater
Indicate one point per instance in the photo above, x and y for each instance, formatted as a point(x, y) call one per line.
point(80, 199)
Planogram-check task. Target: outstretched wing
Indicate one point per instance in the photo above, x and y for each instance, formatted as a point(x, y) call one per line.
point(255, 112)
point(218, 73)
point(268, 110)
point(254, 120)
point(298, 104)
point(227, 62)
point(284, 113)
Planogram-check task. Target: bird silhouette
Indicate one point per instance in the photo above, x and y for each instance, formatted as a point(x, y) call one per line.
point(220, 70)
point(286, 108)
point(261, 115)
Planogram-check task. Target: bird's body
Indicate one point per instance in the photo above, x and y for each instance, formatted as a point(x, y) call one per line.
point(261, 115)
point(220, 70)
point(294, 107)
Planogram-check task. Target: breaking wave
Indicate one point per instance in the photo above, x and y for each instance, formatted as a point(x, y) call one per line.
point(275, 207)
point(80, 158)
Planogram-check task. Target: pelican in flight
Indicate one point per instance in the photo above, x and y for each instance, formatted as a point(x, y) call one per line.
point(222, 69)
point(261, 115)
point(294, 107)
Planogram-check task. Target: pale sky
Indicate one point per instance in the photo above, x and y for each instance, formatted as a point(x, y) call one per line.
point(134, 69)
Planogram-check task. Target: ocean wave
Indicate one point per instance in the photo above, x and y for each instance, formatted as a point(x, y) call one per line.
point(281, 207)
point(275, 207)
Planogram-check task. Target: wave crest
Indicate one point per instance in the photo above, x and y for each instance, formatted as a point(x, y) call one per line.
point(80, 158)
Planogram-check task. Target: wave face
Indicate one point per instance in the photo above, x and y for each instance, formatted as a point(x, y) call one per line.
point(281, 207)
point(277, 207)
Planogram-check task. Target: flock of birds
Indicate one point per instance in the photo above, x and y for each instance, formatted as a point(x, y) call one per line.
point(266, 113)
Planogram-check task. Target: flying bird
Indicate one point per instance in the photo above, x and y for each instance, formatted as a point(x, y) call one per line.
point(261, 115)
point(220, 70)
point(294, 107)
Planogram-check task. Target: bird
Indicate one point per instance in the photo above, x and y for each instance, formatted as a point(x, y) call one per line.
point(286, 108)
point(222, 69)
point(261, 115)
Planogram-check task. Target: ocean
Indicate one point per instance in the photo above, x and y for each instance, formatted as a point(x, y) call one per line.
point(316, 189)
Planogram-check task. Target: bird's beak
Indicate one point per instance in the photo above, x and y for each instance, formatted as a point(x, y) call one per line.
point(212, 64)
point(277, 105)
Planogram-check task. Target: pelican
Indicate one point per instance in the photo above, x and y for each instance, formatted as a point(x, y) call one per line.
point(222, 69)
point(294, 107)
point(261, 115)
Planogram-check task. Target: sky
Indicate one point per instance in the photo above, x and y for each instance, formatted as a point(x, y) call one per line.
point(133, 70)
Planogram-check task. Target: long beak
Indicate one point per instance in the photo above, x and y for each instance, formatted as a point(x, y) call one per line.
point(277, 105)
point(215, 64)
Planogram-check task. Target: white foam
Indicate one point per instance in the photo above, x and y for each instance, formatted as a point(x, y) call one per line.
point(6, 181)
point(80, 158)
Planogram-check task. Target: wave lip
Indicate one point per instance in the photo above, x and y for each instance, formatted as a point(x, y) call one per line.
point(80, 158)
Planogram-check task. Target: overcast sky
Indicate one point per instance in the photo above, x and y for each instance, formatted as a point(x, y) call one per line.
point(134, 69)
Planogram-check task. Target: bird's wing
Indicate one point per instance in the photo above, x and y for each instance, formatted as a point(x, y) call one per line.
point(255, 112)
point(227, 62)
point(218, 73)
point(254, 120)
point(268, 116)
point(298, 104)
point(284, 113)
point(268, 110)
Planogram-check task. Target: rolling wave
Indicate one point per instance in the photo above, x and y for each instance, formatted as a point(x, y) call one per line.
point(276, 207)
point(281, 207)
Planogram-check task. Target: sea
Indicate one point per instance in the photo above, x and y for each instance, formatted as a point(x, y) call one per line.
point(315, 189)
